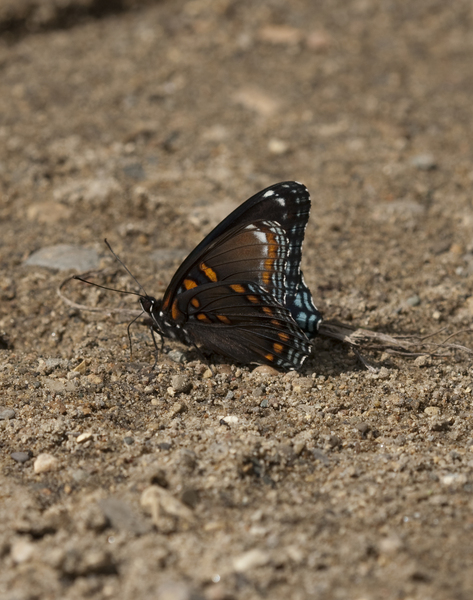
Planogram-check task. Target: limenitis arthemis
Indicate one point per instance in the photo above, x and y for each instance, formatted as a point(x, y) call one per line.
point(241, 292)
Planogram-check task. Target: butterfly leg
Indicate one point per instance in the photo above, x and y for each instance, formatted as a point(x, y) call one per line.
point(156, 346)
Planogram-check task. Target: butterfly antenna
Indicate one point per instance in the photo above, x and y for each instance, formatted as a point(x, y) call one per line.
point(126, 269)
point(104, 287)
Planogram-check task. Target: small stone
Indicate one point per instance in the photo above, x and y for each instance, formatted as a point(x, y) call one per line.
point(422, 361)
point(264, 403)
point(424, 162)
point(64, 257)
point(363, 428)
point(20, 457)
point(22, 551)
point(84, 437)
point(157, 500)
point(129, 441)
point(175, 591)
point(58, 385)
point(453, 479)
point(265, 370)
point(436, 315)
point(95, 379)
point(207, 374)
point(250, 560)
point(391, 545)
point(257, 100)
point(190, 497)
point(7, 413)
point(457, 248)
point(318, 41)
point(281, 35)
point(440, 425)
point(45, 463)
point(432, 411)
point(277, 147)
point(230, 419)
point(181, 384)
point(177, 356)
point(413, 300)
point(122, 517)
point(177, 409)
point(81, 368)
point(299, 446)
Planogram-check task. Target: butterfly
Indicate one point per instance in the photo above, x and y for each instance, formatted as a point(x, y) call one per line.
point(241, 291)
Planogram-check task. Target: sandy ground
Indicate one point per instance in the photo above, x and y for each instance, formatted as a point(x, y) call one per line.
point(146, 123)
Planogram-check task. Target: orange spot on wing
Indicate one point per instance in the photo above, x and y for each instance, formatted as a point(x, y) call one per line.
point(239, 289)
point(278, 348)
point(253, 299)
point(269, 357)
point(224, 319)
point(175, 310)
point(267, 311)
point(203, 318)
point(189, 284)
point(272, 254)
point(166, 302)
point(268, 271)
point(283, 336)
point(211, 274)
point(195, 302)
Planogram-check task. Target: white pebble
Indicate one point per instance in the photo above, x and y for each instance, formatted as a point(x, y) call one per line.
point(45, 462)
point(250, 560)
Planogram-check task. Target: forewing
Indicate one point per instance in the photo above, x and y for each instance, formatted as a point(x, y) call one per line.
point(266, 231)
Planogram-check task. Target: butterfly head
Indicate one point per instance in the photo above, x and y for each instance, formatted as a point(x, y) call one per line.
point(151, 306)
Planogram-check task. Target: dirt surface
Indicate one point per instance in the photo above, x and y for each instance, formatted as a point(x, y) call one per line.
point(146, 124)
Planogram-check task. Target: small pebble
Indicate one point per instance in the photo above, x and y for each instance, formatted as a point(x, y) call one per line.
point(264, 403)
point(363, 428)
point(264, 370)
point(64, 257)
point(20, 457)
point(6, 414)
point(413, 300)
point(230, 419)
point(277, 147)
point(422, 361)
point(84, 437)
point(283, 35)
point(123, 517)
point(424, 162)
point(177, 408)
point(81, 368)
point(177, 356)
point(432, 411)
point(181, 384)
point(22, 551)
point(250, 560)
point(175, 591)
point(157, 500)
point(454, 479)
point(129, 441)
point(45, 462)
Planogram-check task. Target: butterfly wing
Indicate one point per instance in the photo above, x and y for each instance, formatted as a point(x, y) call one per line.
point(261, 242)
point(243, 321)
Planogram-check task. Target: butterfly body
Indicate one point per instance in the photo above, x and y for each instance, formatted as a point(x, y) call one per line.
point(241, 292)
